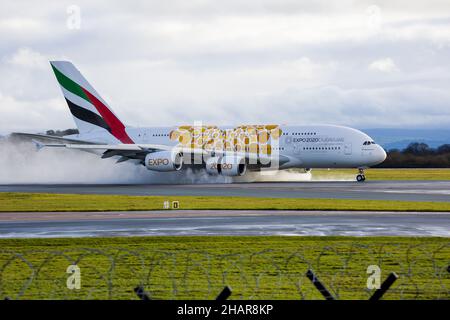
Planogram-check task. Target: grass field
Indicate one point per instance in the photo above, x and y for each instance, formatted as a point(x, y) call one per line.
point(30, 202)
point(384, 174)
point(199, 267)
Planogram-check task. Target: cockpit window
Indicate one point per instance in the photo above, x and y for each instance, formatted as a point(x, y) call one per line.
point(366, 143)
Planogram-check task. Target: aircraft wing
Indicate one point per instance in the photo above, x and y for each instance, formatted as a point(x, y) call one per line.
point(139, 151)
point(48, 138)
point(125, 151)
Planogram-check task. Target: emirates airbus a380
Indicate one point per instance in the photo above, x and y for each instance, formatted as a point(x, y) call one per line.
point(229, 151)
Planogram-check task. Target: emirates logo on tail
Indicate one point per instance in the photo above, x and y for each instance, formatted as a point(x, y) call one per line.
point(84, 102)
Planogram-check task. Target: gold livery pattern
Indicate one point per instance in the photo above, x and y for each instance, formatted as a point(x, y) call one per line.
point(245, 138)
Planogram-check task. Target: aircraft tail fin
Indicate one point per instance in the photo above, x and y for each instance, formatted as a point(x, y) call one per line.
point(89, 110)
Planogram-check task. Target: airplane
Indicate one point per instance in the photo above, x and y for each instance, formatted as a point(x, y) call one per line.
point(220, 150)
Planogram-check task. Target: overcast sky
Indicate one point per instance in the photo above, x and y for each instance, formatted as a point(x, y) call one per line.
point(365, 64)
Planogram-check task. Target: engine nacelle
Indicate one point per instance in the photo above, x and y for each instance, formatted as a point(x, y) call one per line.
point(232, 166)
point(213, 166)
point(164, 161)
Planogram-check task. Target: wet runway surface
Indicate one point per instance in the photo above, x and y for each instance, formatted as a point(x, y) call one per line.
point(370, 190)
point(183, 223)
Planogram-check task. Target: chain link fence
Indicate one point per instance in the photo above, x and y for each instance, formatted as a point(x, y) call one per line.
point(113, 273)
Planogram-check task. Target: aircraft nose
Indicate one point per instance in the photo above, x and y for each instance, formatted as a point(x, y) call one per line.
point(379, 154)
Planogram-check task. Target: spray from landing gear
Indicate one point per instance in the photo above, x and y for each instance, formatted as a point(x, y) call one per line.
point(20, 163)
point(297, 175)
point(275, 176)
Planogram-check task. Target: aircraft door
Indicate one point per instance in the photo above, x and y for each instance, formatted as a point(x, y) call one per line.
point(289, 145)
point(348, 149)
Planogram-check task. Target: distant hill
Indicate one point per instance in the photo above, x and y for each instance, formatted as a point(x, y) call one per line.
point(401, 138)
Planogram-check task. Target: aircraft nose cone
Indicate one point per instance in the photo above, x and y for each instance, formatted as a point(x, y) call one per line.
point(380, 155)
point(384, 154)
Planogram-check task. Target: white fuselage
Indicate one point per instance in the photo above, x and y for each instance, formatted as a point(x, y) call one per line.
point(307, 146)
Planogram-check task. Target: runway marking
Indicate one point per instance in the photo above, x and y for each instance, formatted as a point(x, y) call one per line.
point(73, 216)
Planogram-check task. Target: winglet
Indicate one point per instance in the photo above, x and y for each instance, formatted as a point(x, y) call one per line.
point(38, 145)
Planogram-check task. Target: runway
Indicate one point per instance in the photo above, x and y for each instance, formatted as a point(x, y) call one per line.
point(369, 190)
point(223, 222)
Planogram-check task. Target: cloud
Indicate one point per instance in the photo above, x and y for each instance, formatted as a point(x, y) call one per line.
point(383, 65)
point(25, 57)
point(28, 116)
point(165, 63)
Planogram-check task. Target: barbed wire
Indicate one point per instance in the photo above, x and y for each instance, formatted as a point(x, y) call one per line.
point(113, 273)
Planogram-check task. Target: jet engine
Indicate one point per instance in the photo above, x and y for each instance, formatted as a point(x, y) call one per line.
point(227, 166)
point(213, 166)
point(233, 166)
point(164, 161)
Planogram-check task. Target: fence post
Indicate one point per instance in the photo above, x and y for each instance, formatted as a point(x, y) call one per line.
point(226, 292)
point(140, 292)
point(384, 286)
point(319, 286)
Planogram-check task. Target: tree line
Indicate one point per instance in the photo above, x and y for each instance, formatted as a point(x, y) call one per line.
point(61, 133)
point(418, 155)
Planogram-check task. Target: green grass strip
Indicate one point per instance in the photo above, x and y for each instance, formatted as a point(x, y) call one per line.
point(34, 202)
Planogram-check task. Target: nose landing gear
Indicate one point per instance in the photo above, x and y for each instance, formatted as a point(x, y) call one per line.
point(361, 177)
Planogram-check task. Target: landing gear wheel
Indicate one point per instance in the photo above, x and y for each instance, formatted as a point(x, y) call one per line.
point(360, 177)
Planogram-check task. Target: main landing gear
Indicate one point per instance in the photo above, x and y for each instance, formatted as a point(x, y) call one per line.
point(361, 177)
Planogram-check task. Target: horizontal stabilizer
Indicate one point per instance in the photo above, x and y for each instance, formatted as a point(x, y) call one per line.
point(45, 137)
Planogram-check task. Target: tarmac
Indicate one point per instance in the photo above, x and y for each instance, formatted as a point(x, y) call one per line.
point(369, 190)
point(222, 222)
